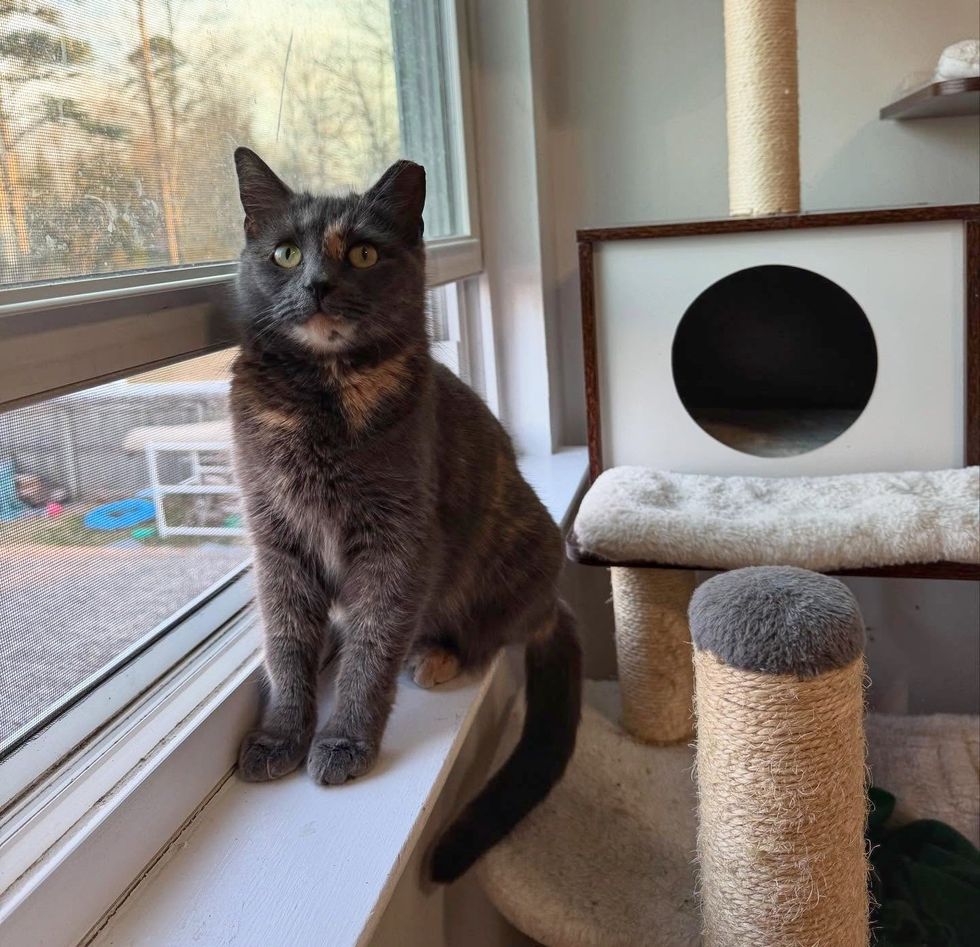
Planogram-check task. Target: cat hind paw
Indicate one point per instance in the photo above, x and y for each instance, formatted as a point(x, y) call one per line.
point(433, 667)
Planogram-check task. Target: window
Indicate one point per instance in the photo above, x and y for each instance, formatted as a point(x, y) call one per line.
point(461, 336)
point(447, 328)
point(119, 225)
point(117, 512)
point(118, 121)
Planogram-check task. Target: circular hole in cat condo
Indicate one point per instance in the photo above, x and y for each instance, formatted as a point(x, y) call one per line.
point(774, 360)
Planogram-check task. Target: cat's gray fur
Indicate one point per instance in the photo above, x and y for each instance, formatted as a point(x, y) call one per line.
point(389, 518)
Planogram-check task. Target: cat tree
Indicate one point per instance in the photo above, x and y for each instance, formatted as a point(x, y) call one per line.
point(776, 810)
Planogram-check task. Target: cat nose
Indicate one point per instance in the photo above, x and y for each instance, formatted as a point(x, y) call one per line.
point(320, 288)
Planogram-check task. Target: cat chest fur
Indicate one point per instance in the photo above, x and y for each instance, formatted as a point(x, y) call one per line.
point(310, 503)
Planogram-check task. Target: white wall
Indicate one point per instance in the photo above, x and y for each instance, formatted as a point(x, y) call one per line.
point(633, 129)
point(632, 121)
point(852, 58)
point(515, 259)
point(631, 125)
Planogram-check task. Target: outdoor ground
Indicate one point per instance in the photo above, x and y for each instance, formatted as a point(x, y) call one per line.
point(71, 600)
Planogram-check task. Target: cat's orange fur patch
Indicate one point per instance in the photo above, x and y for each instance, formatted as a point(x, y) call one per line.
point(435, 667)
point(271, 417)
point(333, 244)
point(362, 390)
point(544, 631)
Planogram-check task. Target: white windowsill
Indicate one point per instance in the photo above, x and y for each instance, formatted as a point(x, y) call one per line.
point(286, 862)
point(557, 478)
point(291, 862)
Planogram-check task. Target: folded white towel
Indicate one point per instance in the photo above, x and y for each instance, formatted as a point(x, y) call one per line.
point(959, 61)
point(824, 523)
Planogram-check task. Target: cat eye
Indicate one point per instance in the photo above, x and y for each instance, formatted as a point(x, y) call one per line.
point(287, 255)
point(363, 256)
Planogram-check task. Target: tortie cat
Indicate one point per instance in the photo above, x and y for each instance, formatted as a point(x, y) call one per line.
point(390, 522)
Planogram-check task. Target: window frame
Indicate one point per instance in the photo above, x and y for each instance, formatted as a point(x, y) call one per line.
point(123, 793)
point(59, 337)
point(64, 336)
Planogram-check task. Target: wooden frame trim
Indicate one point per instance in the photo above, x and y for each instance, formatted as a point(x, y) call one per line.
point(586, 272)
point(967, 571)
point(850, 218)
point(968, 213)
point(972, 343)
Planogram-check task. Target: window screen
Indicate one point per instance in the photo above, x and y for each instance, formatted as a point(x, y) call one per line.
point(117, 509)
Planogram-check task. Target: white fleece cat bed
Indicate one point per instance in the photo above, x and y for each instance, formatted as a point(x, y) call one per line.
point(608, 859)
point(635, 515)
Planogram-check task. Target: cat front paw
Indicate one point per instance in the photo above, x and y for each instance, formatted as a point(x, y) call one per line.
point(334, 760)
point(265, 755)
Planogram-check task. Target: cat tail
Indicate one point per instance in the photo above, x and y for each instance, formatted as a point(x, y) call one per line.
point(553, 660)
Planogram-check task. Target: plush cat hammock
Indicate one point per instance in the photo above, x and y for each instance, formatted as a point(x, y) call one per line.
point(775, 813)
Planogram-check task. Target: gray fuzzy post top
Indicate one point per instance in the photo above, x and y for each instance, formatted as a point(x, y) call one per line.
point(777, 619)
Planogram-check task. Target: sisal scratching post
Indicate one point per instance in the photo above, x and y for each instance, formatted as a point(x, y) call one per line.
point(763, 106)
point(653, 652)
point(779, 676)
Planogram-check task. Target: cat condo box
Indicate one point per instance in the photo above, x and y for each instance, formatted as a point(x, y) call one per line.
point(805, 344)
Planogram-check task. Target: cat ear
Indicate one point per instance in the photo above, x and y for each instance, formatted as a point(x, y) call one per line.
point(261, 190)
point(401, 192)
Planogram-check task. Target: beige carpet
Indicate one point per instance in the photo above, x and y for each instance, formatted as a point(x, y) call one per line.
point(931, 765)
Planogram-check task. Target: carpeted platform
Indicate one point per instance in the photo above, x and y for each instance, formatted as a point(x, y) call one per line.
point(820, 523)
point(608, 859)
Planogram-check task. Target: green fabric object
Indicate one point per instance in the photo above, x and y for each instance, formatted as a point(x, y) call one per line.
point(925, 881)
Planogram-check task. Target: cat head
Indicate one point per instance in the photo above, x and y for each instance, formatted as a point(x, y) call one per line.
point(332, 275)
